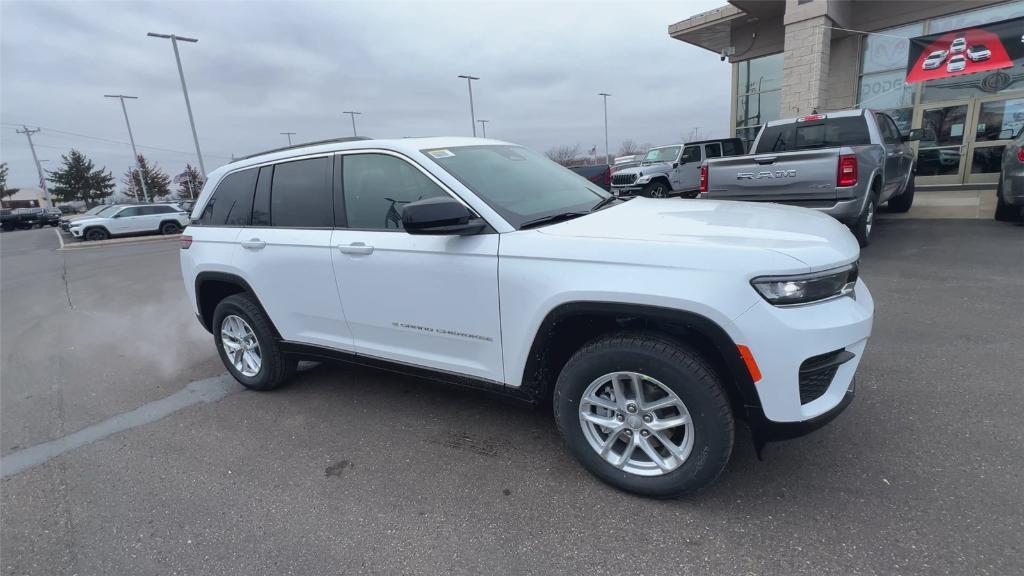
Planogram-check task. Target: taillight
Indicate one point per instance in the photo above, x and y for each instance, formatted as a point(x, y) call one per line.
point(1020, 154)
point(186, 242)
point(703, 178)
point(810, 118)
point(608, 176)
point(847, 175)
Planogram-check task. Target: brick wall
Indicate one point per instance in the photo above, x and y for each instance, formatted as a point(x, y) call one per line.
point(806, 66)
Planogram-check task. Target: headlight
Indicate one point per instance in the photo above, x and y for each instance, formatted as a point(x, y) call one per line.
point(807, 288)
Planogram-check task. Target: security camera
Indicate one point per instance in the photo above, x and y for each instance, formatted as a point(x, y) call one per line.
point(726, 52)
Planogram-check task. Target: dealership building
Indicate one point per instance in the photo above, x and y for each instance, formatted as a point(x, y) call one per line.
point(793, 57)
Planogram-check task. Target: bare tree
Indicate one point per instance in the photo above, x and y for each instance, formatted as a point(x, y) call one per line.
point(631, 147)
point(565, 154)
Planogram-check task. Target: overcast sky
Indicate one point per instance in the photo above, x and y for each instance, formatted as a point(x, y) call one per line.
point(264, 68)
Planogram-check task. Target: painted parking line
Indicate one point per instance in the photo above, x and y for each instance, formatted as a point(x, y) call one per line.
point(84, 245)
point(205, 391)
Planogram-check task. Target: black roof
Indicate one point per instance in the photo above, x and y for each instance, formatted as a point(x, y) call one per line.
point(306, 144)
point(712, 140)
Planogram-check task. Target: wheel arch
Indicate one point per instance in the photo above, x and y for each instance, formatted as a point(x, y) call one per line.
point(572, 324)
point(85, 231)
point(212, 287)
point(170, 221)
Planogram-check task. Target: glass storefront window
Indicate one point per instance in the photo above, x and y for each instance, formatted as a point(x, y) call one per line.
point(987, 160)
point(944, 126)
point(903, 117)
point(885, 90)
point(756, 109)
point(883, 52)
point(976, 17)
point(759, 74)
point(999, 120)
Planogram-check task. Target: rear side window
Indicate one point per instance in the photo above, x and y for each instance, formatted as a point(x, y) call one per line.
point(164, 209)
point(732, 148)
point(827, 133)
point(231, 203)
point(713, 150)
point(300, 195)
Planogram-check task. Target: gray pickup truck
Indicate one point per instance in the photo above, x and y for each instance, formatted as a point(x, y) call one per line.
point(844, 164)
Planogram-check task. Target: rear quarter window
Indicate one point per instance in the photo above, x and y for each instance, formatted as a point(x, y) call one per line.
point(231, 203)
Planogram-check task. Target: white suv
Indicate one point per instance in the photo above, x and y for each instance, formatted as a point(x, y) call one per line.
point(651, 325)
point(130, 220)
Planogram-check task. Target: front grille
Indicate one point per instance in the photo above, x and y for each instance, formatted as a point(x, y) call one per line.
point(817, 372)
point(623, 179)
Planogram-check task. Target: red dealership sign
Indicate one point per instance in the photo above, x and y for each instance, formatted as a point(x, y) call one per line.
point(965, 51)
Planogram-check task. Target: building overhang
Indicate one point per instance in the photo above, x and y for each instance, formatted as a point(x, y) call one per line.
point(712, 30)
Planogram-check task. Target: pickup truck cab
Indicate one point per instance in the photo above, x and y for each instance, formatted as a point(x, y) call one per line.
point(649, 325)
point(672, 170)
point(844, 164)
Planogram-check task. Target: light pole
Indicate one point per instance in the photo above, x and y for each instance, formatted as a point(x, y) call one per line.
point(352, 115)
point(28, 132)
point(135, 154)
point(472, 114)
point(184, 89)
point(289, 135)
point(483, 127)
point(607, 157)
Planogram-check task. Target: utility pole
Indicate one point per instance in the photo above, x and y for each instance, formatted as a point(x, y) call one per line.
point(472, 114)
point(28, 132)
point(483, 126)
point(352, 115)
point(135, 154)
point(289, 135)
point(607, 156)
point(184, 89)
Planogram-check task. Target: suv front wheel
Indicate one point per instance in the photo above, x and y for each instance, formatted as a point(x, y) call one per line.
point(247, 345)
point(645, 413)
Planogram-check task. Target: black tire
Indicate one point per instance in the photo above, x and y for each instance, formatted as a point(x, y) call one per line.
point(168, 228)
point(865, 224)
point(1004, 211)
point(905, 200)
point(95, 234)
point(275, 367)
point(657, 189)
point(679, 368)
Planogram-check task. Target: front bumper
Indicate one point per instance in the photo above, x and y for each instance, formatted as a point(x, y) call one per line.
point(76, 232)
point(783, 340)
point(626, 191)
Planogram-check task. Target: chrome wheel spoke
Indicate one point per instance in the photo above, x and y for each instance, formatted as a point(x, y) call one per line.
point(600, 403)
point(241, 345)
point(627, 452)
point(645, 445)
point(666, 423)
point(606, 421)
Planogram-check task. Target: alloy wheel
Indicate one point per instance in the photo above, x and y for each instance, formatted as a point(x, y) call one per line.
point(241, 345)
point(636, 423)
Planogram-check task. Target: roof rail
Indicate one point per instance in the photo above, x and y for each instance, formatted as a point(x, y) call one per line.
point(304, 145)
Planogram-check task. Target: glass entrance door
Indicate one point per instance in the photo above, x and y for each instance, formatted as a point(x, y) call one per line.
point(942, 153)
point(997, 122)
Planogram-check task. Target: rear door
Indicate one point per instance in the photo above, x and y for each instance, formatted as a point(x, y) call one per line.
point(284, 248)
point(423, 300)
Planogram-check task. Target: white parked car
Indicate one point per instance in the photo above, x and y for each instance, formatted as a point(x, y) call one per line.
point(652, 325)
point(130, 220)
point(958, 45)
point(934, 60)
point(979, 52)
point(956, 63)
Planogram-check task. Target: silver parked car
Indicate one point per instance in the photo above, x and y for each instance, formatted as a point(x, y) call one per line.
point(1010, 191)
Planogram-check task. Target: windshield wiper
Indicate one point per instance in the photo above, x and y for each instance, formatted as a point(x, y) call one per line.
point(604, 202)
point(551, 219)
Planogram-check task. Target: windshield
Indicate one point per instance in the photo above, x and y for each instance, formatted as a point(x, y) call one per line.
point(519, 184)
point(667, 154)
point(96, 209)
point(104, 210)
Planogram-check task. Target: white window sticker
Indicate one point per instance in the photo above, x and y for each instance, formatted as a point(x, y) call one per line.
point(444, 153)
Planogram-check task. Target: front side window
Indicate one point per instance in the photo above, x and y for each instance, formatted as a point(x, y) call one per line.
point(300, 195)
point(517, 183)
point(666, 154)
point(231, 202)
point(377, 186)
point(130, 211)
point(691, 154)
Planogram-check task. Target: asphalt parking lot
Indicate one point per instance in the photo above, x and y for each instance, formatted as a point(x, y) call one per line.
point(143, 458)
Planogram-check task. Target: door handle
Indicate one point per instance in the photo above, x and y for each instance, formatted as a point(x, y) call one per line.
point(253, 244)
point(355, 248)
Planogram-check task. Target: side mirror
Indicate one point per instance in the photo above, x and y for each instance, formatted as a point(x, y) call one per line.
point(675, 164)
point(914, 135)
point(440, 216)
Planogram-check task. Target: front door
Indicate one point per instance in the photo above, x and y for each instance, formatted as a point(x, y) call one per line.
point(422, 300)
point(942, 152)
point(688, 170)
point(128, 221)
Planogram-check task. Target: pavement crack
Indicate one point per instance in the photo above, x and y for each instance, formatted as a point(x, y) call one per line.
point(64, 276)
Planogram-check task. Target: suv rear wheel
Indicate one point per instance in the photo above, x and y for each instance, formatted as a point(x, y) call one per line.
point(644, 413)
point(247, 345)
point(168, 228)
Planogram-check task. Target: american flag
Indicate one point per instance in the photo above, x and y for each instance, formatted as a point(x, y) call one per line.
point(181, 178)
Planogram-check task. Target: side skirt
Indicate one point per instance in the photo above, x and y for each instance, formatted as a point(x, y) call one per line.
point(313, 352)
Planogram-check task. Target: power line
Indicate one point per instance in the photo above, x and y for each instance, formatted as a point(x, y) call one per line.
point(109, 141)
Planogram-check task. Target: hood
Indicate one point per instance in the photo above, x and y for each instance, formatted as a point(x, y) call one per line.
point(87, 220)
point(646, 169)
point(817, 240)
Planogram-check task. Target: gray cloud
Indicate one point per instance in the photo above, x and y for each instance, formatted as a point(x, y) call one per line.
point(263, 68)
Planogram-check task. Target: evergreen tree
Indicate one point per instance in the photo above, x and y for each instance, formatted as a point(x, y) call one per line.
point(158, 184)
point(192, 178)
point(4, 190)
point(79, 179)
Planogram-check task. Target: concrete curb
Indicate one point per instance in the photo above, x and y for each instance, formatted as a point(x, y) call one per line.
point(85, 245)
